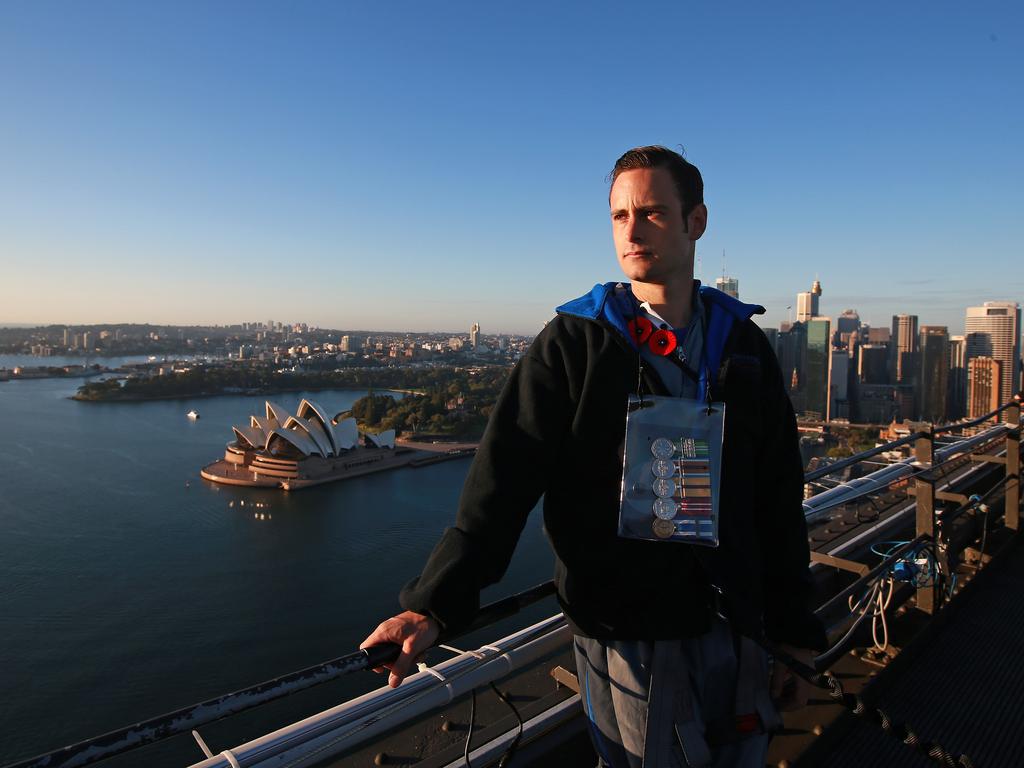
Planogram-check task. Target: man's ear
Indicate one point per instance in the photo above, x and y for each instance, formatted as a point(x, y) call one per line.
point(697, 221)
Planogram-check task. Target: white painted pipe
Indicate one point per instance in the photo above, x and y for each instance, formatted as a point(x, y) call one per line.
point(354, 722)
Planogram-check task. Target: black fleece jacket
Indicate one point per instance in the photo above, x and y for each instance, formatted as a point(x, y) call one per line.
point(558, 430)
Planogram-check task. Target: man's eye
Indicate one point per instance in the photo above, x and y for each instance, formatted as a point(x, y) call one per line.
point(619, 216)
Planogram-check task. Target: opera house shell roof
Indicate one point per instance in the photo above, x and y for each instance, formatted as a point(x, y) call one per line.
point(310, 432)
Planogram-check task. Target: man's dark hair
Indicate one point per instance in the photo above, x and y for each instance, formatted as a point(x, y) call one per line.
point(688, 181)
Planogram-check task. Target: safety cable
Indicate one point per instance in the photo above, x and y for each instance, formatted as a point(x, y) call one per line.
point(469, 733)
point(510, 750)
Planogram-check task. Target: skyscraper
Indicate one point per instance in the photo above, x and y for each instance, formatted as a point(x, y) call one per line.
point(729, 285)
point(848, 322)
point(792, 351)
point(993, 330)
point(956, 401)
point(838, 389)
point(807, 303)
point(934, 377)
point(903, 349)
point(872, 367)
point(985, 374)
point(816, 367)
point(474, 335)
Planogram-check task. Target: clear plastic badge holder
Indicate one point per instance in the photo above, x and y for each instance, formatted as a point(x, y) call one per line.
point(671, 470)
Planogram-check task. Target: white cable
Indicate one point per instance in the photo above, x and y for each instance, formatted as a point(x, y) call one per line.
point(880, 608)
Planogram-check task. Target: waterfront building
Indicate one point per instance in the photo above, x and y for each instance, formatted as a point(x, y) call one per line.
point(729, 285)
point(956, 400)
point(67, 338)
point(993, 330)
point(816, 373)
point(309, 446)
point(934, 374)
point(984, 376)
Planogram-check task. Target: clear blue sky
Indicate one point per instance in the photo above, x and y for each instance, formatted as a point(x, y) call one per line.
point(426, 165)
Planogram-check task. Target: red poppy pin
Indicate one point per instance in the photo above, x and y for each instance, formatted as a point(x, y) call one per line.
point(662, 342)
point(640, 329)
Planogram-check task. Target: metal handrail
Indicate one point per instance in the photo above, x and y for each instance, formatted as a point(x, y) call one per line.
point(979, 420)
point(188, 718)
point(829, 469)
point(838, 466)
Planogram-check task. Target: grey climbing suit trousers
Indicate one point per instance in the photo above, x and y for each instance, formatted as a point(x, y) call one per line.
point(668, 703)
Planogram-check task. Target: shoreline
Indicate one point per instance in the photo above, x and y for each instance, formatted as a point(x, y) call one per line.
point(246, 393)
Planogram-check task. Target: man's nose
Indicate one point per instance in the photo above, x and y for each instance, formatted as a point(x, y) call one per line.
point(634, 231)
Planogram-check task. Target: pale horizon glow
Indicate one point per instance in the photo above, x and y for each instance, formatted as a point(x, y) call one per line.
point(422, 168)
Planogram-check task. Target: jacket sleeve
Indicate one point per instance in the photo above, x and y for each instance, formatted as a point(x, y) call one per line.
point(509, 474)
point(786, 555)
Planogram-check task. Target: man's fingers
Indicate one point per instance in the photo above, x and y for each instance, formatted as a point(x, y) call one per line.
point(412, 650)
point(413, 632)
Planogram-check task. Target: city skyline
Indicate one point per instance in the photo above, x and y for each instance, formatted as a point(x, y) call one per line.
point(791, 313)
point(355, 165)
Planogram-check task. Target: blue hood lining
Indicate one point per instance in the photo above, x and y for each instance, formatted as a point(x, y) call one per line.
point(614, 307)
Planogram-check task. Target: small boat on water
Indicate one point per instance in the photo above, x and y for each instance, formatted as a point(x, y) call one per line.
point(193, 415)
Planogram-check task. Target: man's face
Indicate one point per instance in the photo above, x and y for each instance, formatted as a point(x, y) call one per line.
point(652, 240)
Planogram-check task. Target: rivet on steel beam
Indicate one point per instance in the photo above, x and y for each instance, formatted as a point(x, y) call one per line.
point(380, 758)
point(446, 726)
point(818, 729)
point(783, 764)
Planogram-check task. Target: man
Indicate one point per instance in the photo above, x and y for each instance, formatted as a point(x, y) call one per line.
point(666, 681)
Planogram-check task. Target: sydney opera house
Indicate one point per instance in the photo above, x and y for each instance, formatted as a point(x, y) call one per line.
point(290, 450)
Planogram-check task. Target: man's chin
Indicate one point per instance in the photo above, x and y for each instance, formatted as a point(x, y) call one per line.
point(637, 274)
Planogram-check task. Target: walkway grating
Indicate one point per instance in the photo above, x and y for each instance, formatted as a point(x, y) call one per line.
point(961, 684)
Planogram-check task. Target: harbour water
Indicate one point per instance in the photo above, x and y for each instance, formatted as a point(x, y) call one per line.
point(130, 587)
